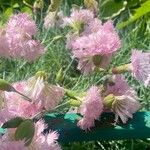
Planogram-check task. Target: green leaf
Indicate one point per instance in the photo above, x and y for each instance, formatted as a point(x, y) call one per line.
point(13, 123)
point(25, 131)
point(110, 8)
point(8, 12)
point(26, 9)
point(139, 12)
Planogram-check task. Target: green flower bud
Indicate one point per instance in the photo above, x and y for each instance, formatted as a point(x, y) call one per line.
point(54, 5)
point(108, 101)
point(41, 74)
point(74, 103)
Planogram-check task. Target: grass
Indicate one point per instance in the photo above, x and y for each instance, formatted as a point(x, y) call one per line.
point(58, 57)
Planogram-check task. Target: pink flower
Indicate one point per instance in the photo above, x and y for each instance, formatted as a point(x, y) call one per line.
point(19, 32)
point(92, 27)
point(43, 94)
point(21, 23)
point(45, 142)
point(87, 65)
point(31, 50)
point(124, 98)
point(104, 42)
point(140, 66)
point(12, 145)
point(16, 105)
point(81, 16)
point(91, 108)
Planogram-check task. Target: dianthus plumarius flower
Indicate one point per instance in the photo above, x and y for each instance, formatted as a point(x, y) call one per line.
point(46, 95)
point(96, 49)
point(43, 96)
point(44, 141)
point(139, 67)
point(105, 41)
point(78, 18)
point(16, 39)
point(40, 141)
point(91, 108)
point(121, 99)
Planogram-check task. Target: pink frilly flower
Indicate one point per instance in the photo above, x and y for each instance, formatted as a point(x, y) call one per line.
point(16, 105)
point(96, 49)
point(91, 108)
point(45, 142)
point(140, 66)
point(78, 16)
point(12, 145)
point(19, 31)
point(105, 41)
point(124, 98)
point(87, 65)
point(43, 94)
point(8, 142)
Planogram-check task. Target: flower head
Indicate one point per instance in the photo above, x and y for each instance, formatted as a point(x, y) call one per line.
point(19, 32)
point(121, 99)
point(44, 141)
point(43, 94)
point(105, 41)
point(12, 145)
point(91, 108)
point(140, 66)
point(78, 18)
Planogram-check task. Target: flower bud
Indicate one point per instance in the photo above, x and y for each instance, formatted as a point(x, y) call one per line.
point(54, 5)
point(91, 4)
point(108, 101)
point(38, 5)
point(121, 69)
point(41, 74)
point(74, 103)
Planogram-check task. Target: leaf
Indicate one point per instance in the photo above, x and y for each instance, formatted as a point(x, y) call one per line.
point(25, 131)
point(139, 12)
point(110, 8)
point(13, 123)
point(26, 9)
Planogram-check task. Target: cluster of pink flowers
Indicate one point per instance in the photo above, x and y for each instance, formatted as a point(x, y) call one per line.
point(16, 39)
point(95, 42)
point(39, 142)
